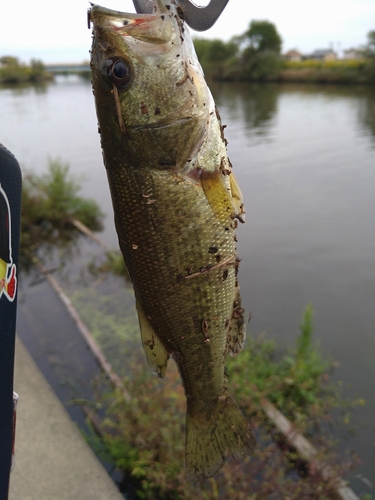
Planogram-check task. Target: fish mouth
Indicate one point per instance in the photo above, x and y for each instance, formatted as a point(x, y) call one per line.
point(103, 16)
point(143, 27)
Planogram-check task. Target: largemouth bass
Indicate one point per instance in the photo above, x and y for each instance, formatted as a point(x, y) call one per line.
point(176, 206)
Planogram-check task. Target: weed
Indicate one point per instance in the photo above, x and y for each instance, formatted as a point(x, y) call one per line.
point(49, 202)
point(145, 436)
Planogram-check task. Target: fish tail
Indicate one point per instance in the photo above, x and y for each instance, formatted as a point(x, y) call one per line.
point(209, 442)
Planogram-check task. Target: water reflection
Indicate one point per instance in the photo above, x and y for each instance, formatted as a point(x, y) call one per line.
point(21, 89)
point(366, 114)
point(254, 105)
point(361, 99)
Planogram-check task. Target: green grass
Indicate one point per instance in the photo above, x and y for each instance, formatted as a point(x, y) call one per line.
point(145, 437)
point(336, 71)
point(49, 202)
point(334, 64)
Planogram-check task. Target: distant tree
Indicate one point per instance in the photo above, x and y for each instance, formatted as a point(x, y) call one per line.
point(370, 47)
point(37, 70)
point(216, 50)
point(263, 35)
point(369, 54)
point(262, 66)
point(14, 71)
point(11, 70)
point(9, 61)
point(254, 55)
point(261, 58)
point(215, 56)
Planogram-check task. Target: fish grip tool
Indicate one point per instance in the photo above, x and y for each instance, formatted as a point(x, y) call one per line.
point(10, 218)
point(198, 18)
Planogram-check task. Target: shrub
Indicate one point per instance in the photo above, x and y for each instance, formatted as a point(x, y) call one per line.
point(49, 202)
point(144, 434)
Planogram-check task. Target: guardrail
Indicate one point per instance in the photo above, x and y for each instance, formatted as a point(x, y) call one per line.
point(61, 69)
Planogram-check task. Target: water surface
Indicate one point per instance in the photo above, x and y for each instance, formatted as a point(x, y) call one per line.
point(305, 159)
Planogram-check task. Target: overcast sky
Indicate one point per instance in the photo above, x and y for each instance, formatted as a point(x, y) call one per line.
point(56, 31)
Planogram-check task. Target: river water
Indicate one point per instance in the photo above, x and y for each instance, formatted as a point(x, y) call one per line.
point(304, 157)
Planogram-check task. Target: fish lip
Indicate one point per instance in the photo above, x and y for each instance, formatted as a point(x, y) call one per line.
point(104, 17)
point(134, 28)
point(98, 10)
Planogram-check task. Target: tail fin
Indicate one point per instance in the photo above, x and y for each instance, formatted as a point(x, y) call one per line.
point(209, 442)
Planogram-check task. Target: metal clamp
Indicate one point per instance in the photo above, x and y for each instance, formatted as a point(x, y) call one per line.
point(198, 18)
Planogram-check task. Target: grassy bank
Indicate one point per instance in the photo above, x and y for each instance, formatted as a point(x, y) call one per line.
point(357, 71)
point(143, 434)
point(270, 67)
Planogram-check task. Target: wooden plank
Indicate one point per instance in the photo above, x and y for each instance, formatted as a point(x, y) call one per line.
point(306, 450)
point(87, 232)
point(82, 328)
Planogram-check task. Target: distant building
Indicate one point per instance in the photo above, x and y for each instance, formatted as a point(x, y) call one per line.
point(352, 54)
point(293, 55)
point(322, 55)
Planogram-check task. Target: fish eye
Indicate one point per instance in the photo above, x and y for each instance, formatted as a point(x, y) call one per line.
point(119, 72)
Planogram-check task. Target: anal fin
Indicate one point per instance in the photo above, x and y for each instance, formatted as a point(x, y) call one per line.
point(156, 354)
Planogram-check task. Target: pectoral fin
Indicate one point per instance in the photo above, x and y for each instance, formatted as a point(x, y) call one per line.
point(156, 354)
point(223, 193)
point(237, 198)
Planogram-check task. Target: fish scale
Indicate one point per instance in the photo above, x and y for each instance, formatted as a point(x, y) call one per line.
point(176, 204)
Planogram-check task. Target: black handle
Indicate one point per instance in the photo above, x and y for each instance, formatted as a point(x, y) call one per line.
point(10, 219)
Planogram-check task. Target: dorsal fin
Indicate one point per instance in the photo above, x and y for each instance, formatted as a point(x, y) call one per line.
point(237, 327)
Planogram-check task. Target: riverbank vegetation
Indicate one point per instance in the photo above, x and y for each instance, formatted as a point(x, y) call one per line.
point(13, 71)
point(336, 71)
point(143, 430)
point(256, 56)
point(50, 204)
